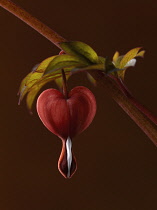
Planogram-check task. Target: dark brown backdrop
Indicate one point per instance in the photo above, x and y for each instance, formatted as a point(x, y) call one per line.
point(117, 163)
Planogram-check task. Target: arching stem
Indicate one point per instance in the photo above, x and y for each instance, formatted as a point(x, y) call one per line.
point(111, 88)
point(128, 94)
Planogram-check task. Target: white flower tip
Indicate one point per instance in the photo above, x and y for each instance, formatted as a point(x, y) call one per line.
point(69, 155)
point(132, 62)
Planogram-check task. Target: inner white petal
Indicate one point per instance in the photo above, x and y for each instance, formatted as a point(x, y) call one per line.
point(69, 154)
point(132, 62)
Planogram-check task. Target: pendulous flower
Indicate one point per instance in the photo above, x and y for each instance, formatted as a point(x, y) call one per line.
point(66, 117)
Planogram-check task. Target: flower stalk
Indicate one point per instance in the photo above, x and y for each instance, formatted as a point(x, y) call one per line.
point(146, 125)
point(141, 116)
point(128, 94)
point(65, 91)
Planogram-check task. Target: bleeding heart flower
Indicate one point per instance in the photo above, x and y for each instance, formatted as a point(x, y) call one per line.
point(66, 117)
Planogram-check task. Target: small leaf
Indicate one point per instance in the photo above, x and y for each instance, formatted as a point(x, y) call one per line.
point(32, 94)
point(115, 57)
point(62, 61)
point(23, 83)
point(44, 64)
point(28, 82)
point(33, 91)
point(101, 59)
point(33, 76)
point(128, 56)
point(141, 54)
point(80, 49)
point(117, 61)
point(125, 61)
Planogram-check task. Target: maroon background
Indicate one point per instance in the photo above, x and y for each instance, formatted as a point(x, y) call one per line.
point(117, 163)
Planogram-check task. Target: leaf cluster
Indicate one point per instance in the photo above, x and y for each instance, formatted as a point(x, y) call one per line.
point(77, 57)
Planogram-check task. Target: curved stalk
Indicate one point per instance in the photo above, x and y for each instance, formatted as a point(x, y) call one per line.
point(127, 93)
point(65, 91)
point(147, 126)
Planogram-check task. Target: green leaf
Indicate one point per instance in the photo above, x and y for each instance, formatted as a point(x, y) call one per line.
point(128, 56)
point(28, 82)
point(34, 90)
point(62, 61)
point(141, 54)
point(23, 83)
point(125, 61)
point(115, 57)
point(33, 77)
point(91, 67)
point(44, 64)
point(101, 59)
point(118, 61)
point(121, 72)
point(32, 94)
point(80, 49)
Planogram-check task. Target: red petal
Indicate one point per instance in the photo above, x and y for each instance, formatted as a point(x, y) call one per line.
point(82, 106)
point(53, 111)
point(66, 117)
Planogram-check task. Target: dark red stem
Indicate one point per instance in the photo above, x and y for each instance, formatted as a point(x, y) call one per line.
point(65, 91)
point(127, 93)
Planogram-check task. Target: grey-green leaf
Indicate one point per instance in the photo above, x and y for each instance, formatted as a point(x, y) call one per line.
point(63, 61)
point(80, 49)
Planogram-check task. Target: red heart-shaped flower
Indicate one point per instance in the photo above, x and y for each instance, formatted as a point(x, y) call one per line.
point(66, 118)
